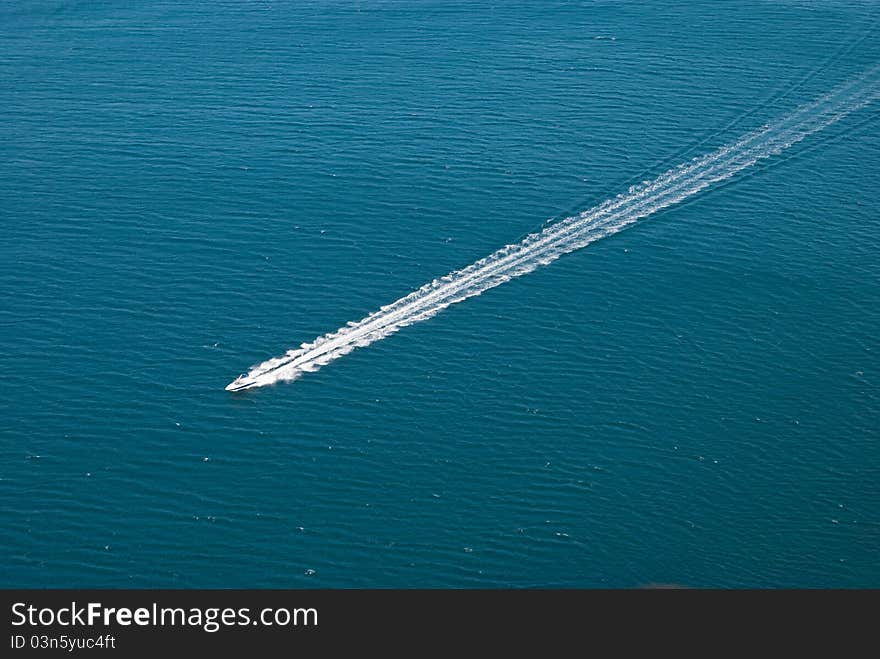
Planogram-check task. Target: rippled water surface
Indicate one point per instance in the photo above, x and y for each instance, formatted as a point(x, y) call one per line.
point(189, 189)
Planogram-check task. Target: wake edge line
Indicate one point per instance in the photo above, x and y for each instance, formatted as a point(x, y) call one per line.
point(609, 217)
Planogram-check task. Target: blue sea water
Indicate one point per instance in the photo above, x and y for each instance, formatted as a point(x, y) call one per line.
point(190, 188)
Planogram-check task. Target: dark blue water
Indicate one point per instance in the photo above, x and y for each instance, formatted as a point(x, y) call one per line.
point(188, 189)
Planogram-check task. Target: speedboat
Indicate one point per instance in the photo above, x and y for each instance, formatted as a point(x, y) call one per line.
point(242, 382)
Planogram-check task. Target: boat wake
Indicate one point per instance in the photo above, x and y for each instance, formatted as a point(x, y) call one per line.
point(539, 249)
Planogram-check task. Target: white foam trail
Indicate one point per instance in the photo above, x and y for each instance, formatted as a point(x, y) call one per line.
point(573, 233)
